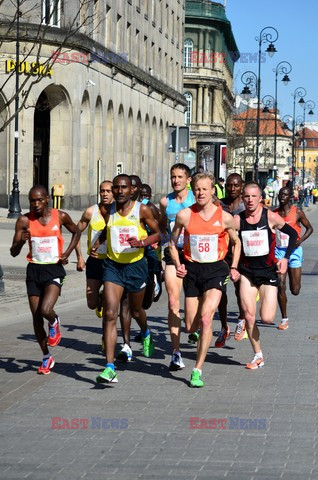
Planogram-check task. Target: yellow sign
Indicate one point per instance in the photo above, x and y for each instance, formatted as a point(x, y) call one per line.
point(28, 68)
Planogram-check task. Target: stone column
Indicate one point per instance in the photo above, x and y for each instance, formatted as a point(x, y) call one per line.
point(199, 105)
point(206, 106)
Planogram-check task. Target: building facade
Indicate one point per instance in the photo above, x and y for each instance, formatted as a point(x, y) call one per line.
point(100, 82)
point(242, 149)
point(210, 52)
point(306, 152)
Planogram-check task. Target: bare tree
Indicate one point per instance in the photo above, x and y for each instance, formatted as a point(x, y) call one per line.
point(24, 23)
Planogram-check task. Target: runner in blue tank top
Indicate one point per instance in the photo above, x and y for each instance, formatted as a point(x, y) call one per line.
point(170, 205)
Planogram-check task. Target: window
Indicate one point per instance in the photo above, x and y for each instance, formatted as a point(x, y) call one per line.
point(51, 10)
point(187, 52)
point(188, 112)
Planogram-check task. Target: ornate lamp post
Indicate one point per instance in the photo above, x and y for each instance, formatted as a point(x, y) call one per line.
point(267, 35)
point(14, 207)
point(283, 68)
point(300, 93)
point(309, 105)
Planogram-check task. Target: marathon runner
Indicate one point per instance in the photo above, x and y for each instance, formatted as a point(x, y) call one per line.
point(125, 267)
point(296, 218)
point(41, 228)
point(207, 230)
point(258, 266)
point(170, 205)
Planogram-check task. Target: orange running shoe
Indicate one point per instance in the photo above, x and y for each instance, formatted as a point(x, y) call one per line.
point(54, 337)
point(257, 362)
point(222, 337)
point(239, 331)
point(47, 365)
point(283, 324)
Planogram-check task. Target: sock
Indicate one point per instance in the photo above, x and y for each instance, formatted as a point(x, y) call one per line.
point(110, 365)
point(197, 370)
point(145, 333)
point(284, 320)
point(176, 351)
point(259, 354)
point(240, 320)
point(55, 322)
point(47, 356)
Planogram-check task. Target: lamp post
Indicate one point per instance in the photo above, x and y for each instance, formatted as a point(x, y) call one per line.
point(14, 206)
point(269, 102)
point(288, 123)
point(300, 93)
point(309, 105)
point(283, 68)
point(249, 80)
point(267, 35)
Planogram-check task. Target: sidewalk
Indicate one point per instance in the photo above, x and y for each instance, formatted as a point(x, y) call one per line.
point(253, 425)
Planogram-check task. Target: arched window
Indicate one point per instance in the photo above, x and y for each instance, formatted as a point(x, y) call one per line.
point(188, 112)
point(187, 52)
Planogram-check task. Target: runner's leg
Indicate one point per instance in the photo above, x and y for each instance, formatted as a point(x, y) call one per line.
point(173, 287)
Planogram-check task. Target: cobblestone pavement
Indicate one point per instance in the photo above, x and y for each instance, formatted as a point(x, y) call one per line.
point(140, 428)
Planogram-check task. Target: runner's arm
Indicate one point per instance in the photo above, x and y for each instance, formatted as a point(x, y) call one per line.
point(162, 215)
point(82, 225)
point(147, 218)
point(276, 221)
point(229, 226)
point(21, 235)
point(306, 223)
point(68, 223)
point(180, 223)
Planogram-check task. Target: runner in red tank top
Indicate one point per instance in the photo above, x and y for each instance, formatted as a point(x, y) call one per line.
point(205, 272)
point(41, 228)
point(296, 218)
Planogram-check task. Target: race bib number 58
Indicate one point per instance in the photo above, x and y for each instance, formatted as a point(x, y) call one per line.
point(119, 238)
point(204, 248)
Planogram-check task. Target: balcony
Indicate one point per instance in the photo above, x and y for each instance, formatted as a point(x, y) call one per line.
point(206, 9)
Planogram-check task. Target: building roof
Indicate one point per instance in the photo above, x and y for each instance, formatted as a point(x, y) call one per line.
point(244, 123)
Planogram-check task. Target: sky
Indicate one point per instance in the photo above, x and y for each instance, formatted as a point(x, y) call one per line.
point(296, 23)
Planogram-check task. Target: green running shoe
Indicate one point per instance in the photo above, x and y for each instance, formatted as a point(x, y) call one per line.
point(148, 345)
point(107, 376)
point(196, 381)
point(194, 337)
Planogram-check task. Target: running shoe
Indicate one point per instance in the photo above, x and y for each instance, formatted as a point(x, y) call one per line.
point(239, 331)
point(54, 337)
point(148, 345)
point(107, 376)
point(125, 354)
point(196, 381)
point(257, 362)
point(283, 324)
point(194, 337)
point(99, 311)
point(223, 336)
point(176, 362)
point(47, 365)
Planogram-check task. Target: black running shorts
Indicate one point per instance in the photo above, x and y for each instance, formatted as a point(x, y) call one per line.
point(201, 277)
point(40, 276)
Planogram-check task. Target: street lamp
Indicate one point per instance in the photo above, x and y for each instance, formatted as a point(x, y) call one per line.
point(300, 93)
point(283, 68)
point(268, 101)
point(249, 79)
point(309, 105)
point(267, 35)
point(14, 206)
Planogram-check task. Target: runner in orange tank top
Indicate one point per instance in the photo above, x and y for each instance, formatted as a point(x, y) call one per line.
point(41, 228)
point(205, 272)
point(296, 218)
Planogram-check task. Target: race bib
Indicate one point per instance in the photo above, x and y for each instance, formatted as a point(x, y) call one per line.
point(45, 249)
point(204, 248)
point(282, 239)
point(119, 238)
point(181, 236)
point(103, 247)
point(255, 243)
